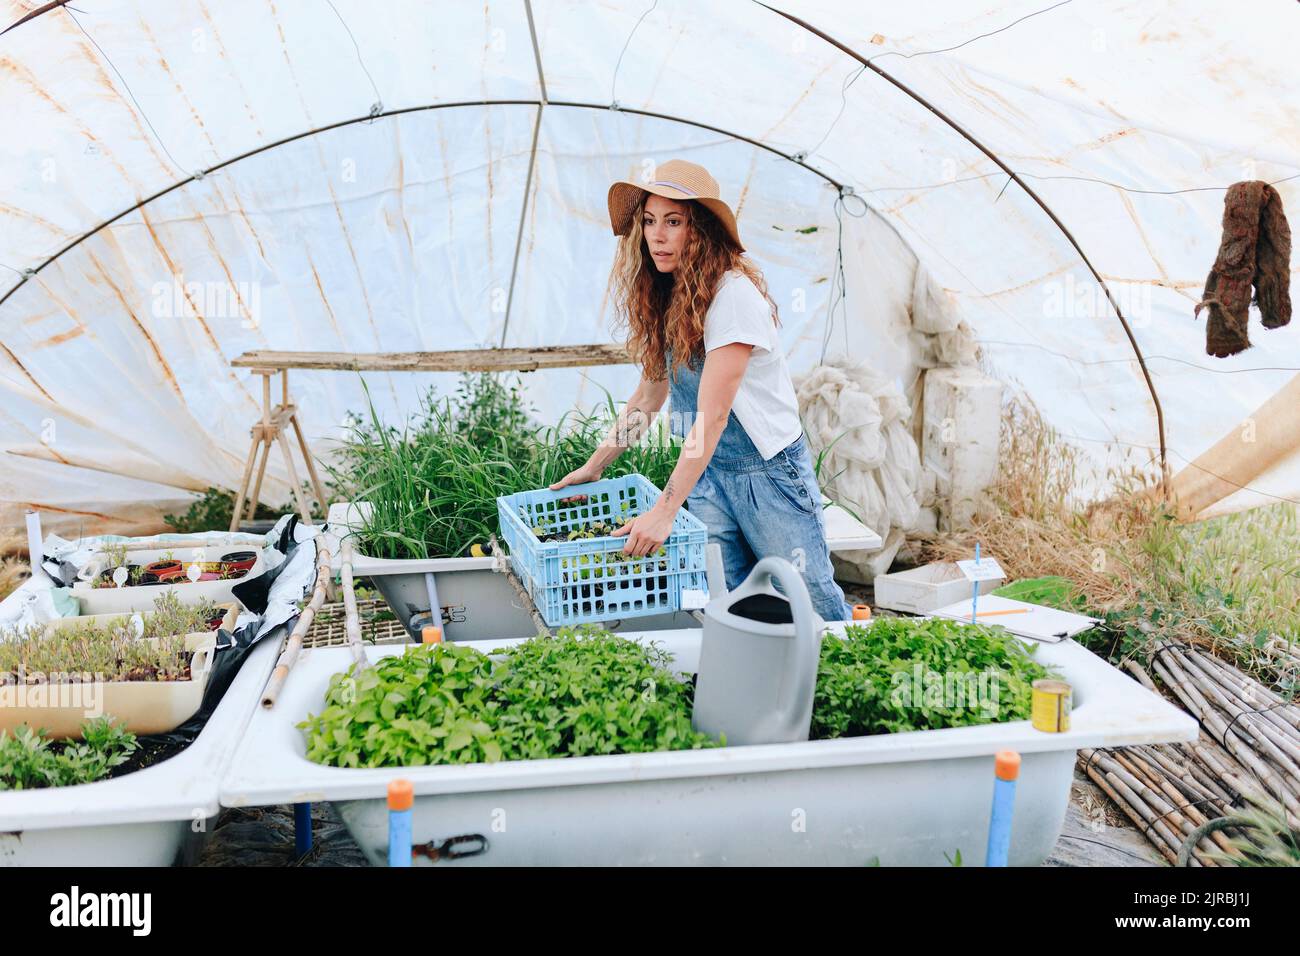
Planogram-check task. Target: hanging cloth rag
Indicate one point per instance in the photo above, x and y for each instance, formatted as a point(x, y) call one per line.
point(1255, 250)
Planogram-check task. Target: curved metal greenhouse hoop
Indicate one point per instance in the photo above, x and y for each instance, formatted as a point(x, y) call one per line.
point(957, 128)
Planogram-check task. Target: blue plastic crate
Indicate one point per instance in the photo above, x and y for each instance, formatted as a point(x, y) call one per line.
point(590, 579)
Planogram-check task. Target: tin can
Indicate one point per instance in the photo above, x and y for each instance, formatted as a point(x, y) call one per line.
point(1050, 709)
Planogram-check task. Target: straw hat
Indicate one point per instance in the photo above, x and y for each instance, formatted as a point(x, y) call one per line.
point(675, 179)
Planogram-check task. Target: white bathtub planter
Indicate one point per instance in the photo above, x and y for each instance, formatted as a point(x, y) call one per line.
point(901, 799)
point(144, 818)
point(115, 600)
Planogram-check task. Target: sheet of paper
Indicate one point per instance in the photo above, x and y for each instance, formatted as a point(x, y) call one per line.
point(985, 569)
point(1037, 622)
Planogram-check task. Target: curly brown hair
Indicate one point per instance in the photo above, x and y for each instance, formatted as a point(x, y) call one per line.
point(665, 311)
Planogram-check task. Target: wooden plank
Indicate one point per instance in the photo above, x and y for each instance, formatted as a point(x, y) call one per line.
point(464, 360)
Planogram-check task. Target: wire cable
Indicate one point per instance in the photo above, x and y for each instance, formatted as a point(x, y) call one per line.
point(377, 106)
point(613, 83)
point(127, 87)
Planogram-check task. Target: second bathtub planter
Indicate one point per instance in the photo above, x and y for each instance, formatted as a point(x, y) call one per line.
point(587, 692)
point(906, 798)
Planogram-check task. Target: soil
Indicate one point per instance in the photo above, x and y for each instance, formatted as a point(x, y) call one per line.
point(153, 750)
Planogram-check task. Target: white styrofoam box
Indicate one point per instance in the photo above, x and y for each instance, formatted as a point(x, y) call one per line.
point(927, 588)
point(959, 442)
point(903, 799)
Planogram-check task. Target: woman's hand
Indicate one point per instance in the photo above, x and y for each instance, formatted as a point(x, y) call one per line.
point(579, 476)
point(647, 532)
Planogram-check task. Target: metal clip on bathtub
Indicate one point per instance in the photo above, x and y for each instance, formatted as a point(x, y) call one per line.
point(448, 849)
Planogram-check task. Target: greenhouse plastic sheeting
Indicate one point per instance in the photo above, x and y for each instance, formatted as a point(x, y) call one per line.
point(185, 181)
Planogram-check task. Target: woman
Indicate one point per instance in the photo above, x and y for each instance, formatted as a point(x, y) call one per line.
point(703, 329)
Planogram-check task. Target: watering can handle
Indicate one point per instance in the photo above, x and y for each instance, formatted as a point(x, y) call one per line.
point(805, 632)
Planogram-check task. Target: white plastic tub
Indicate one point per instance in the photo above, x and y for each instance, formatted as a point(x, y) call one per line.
point(142, 819)
point(927, 588)
point(141, 598)
point(901, 799)
point(475, 599)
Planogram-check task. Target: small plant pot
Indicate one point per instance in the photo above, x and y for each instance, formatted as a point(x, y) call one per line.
point(147, 579)
point(160, 568)
point(173, 576)
point(241, 560)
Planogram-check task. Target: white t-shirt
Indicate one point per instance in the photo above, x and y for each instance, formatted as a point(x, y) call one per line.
point(765, 403)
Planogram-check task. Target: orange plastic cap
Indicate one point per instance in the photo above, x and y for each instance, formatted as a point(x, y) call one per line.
point(431, 634)
point(401, 795)
point(1006, 765)
point(862, 612)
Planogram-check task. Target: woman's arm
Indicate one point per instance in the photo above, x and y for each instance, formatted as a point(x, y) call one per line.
point(631, 425)
point(724, 367)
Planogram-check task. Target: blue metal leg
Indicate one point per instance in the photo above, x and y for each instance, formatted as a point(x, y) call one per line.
point(301, 828)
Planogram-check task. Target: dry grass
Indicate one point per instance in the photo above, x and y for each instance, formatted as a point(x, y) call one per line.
point(13, 565)
point(1034, 526)
point(1229, 584)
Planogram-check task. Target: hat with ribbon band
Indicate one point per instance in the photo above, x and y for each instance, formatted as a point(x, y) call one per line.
point(675, 179)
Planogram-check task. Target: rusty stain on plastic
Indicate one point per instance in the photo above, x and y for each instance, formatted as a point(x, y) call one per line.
point(147, 137)
point(221, 52)
point(320, 289)
point(178, 276)
point(30, 377)
point(121, 298)
point(55, 509)
point(29, 79)
point(180, 90)
point(401, 187)
point(16, 213)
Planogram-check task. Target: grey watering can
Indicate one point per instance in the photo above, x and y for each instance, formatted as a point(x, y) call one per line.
point(758, 659)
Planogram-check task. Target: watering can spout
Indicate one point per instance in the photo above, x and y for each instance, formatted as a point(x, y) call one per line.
point(758, 659)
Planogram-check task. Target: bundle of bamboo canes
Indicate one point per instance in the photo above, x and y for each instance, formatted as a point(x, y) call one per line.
point(1248, 750)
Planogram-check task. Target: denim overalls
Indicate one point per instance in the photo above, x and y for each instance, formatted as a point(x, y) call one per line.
point(755, 508)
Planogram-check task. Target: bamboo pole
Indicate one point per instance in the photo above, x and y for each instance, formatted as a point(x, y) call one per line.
point(462, 360)
point(1276, 778)
point(502, 565)
point(1163, 815)
point(1168, 668)
point(1130, 807)
point(1143, 677)
point(293, 646)
point(351, 621)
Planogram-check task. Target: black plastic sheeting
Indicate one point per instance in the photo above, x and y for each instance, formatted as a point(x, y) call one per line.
point(233, 647)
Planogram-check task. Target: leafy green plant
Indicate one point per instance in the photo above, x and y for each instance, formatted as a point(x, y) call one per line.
point(115, 553)
point(213, 509)
point(29, 761)
point(170, 616)
point(901, 674)
point(432, 486)
point(585, 691)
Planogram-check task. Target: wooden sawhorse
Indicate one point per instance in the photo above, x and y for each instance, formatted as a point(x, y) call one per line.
point(270, 430)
